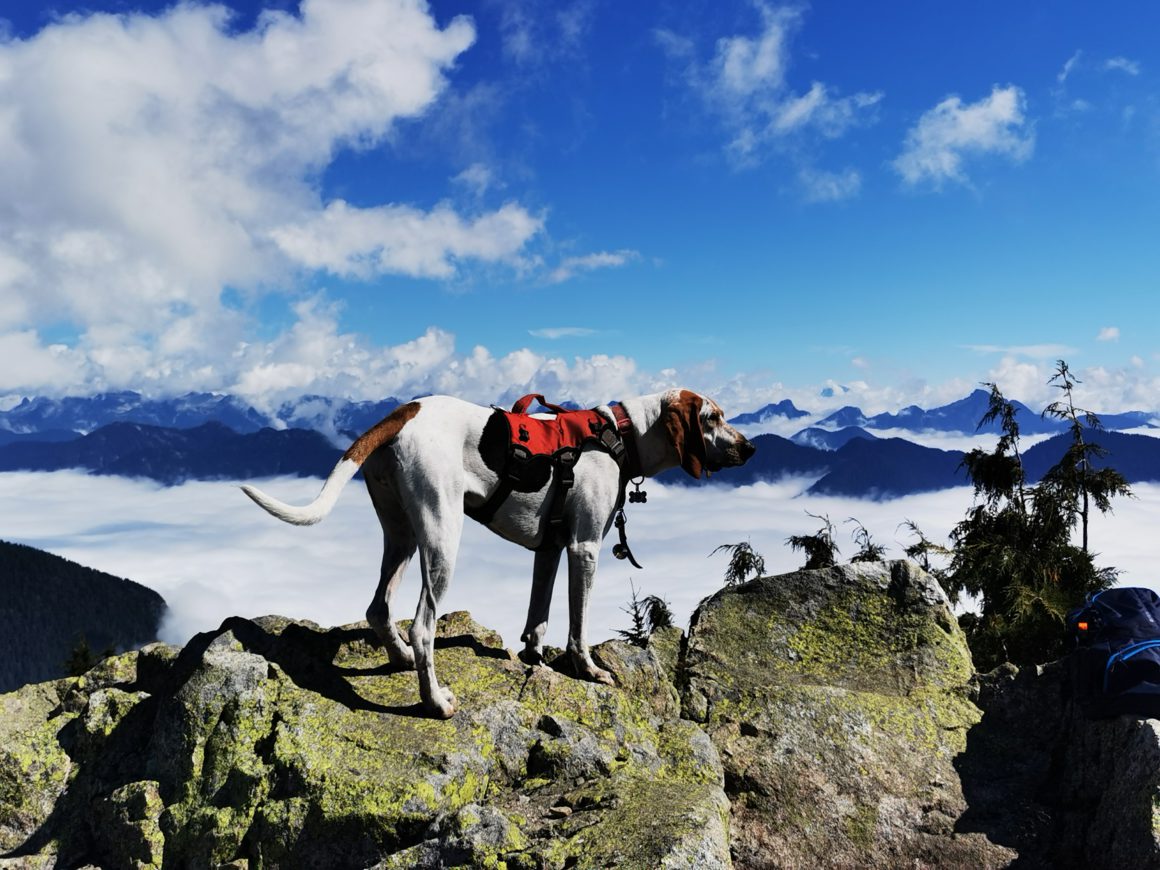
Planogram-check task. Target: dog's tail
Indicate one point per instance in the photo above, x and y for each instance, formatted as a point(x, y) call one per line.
point(382, 433)
point(308, 515)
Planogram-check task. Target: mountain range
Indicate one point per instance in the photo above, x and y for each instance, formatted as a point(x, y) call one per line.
point(204, 436)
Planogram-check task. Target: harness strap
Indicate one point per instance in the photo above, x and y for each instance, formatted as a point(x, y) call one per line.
point(486, 512)
point(565, 464)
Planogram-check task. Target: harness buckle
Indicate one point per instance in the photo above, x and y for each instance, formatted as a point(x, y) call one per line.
point(612, 442)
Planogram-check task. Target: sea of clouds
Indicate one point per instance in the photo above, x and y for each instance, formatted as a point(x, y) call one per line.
point(212, 553)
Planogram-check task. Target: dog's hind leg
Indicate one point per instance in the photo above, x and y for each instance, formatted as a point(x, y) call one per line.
point(543, 580)
point(398, 548)
point(397, 553)
point(438, 527)
point(582, 557)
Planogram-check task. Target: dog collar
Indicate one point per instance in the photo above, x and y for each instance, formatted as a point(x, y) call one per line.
point(628, 436)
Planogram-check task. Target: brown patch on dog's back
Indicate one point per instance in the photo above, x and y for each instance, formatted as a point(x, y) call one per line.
point(383, 432)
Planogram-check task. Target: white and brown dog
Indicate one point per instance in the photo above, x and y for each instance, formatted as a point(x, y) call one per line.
point(426, 461)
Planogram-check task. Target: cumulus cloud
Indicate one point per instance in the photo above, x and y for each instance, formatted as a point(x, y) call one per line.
point(938, 146)
point(745, 83)
point(1109, 333)
point(211, 553)
point(153, 162)
point(366, 242)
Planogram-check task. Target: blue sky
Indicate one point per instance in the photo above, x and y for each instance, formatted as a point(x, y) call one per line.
point(374, 197)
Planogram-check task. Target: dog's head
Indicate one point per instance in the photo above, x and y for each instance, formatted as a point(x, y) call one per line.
point(703, 440)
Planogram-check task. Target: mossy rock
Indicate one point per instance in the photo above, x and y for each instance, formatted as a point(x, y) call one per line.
point(276, 743)
point(838, 701)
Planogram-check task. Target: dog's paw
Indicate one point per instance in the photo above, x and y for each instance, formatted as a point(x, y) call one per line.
point(442, 706)
point(598, 675)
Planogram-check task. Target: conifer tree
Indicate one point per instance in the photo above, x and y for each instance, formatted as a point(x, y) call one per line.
point(743, 562)
point(1074, 480)
point(648, 614)
point(1013, 552)
point(820, 548)
point(868, 551)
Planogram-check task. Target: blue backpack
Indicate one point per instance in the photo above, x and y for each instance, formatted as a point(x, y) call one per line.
point(1116, 662)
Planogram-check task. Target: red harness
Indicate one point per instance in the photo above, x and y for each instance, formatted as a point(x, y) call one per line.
point(560, 440)
point(567, 431)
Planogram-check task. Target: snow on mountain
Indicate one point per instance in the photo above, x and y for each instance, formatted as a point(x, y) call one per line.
point(86, 413)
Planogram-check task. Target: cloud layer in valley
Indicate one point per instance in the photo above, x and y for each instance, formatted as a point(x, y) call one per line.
point(213, 554)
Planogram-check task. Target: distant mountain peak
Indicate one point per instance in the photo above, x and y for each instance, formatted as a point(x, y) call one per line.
point(785, 409)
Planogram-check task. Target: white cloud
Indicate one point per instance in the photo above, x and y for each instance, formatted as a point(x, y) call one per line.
point(28, 360)
point(745, 83)
point(554, 332)
point(366, 242)
point(822, 186)
point(1068, 66)
point(477, 178)
point(937, 147)
point(534, 33)
point(153, 161)
point(211, 553)
point(1124, 65)
point(1034, 351)
point(1109, 333)
point(570, 267)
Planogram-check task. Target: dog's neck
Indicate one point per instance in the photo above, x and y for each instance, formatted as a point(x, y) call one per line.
point(653, 444)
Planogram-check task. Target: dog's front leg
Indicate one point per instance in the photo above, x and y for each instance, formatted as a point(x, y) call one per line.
point(543, 580)
point(582, 558)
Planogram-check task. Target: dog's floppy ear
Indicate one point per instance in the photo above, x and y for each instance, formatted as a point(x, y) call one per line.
point(682, 417)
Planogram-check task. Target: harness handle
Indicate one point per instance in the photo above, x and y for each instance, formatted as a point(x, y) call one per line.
point(521, 406)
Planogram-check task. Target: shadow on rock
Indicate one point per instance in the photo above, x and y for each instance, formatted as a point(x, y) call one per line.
point(1010, 763)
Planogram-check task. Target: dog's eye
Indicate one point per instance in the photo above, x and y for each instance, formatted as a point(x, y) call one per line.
point(715, 417)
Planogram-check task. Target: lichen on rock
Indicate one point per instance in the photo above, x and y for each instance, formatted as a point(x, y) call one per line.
point(838, 701)
point(821, 718)
point(276, 743)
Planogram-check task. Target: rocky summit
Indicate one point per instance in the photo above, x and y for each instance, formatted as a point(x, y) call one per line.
point(817, 719)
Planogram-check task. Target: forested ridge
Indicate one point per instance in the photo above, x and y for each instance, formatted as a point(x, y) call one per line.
point(50, 607)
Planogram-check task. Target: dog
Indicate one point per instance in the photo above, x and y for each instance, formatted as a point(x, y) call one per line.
point(427, 462)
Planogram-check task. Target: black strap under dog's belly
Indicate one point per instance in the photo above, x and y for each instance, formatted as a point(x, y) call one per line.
point(551, 533)
point(486, 512)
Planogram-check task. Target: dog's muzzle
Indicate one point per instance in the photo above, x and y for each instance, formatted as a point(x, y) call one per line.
point(737, 454)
